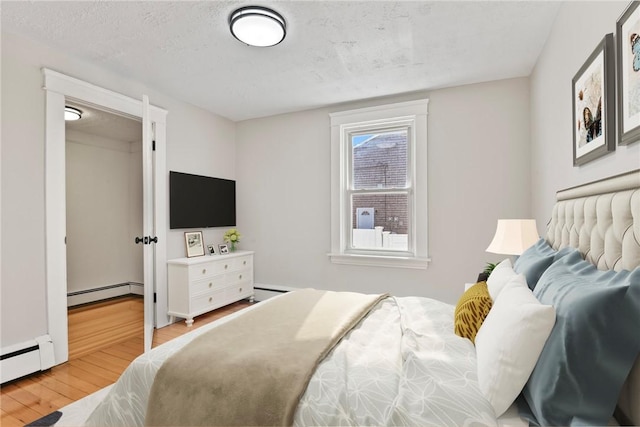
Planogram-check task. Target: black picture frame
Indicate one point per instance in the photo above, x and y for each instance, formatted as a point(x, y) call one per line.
point(628, 77)
point(593, 104)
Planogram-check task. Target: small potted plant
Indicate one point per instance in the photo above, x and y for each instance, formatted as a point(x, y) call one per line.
point(482, 277)
point(232, 237)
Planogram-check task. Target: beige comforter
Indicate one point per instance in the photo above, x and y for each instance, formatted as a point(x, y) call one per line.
point(254, 369)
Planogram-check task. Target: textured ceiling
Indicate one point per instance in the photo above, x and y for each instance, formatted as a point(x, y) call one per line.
point(105, 124)
point(335, 51)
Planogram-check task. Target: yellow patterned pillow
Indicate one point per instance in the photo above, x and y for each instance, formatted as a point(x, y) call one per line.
point(473, 306)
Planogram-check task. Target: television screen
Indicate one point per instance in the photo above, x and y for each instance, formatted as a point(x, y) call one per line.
point(201, 201)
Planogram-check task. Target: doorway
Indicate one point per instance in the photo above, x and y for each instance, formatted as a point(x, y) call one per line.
point(59, 90)
point(104, 211)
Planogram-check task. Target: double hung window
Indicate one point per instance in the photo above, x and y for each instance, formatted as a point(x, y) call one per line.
point(379, 185)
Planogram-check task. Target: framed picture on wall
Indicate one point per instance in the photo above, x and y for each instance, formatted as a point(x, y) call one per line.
point(194, 243)
point(628, 57)
point(593, 89)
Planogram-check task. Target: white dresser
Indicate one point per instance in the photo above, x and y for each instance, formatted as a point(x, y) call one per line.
point(201, 284)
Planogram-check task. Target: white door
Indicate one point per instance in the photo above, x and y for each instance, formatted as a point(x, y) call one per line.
point(148, 223)
point(58, 86)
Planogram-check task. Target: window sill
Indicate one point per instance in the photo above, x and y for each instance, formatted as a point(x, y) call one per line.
point(379, 261)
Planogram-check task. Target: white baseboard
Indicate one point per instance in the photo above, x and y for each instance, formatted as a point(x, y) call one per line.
point(105, 293)
point(136, 288)
point(26, 358)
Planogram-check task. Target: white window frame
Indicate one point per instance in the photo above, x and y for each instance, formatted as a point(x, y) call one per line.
point(413, 116)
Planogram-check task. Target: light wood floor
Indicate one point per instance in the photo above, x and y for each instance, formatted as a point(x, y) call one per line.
point(25, 400)
point(100, 325)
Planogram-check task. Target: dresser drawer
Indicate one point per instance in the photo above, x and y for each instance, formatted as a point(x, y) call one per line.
point(212, 299)
point(242, 263)
point(219, 266)
point(201, 271)
point(209, 284)
point(239, 276)
point(239, 291)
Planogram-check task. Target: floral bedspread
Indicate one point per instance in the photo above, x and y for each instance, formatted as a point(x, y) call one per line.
point(402, 365)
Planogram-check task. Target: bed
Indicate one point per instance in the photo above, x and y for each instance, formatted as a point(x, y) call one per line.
point(403, 365)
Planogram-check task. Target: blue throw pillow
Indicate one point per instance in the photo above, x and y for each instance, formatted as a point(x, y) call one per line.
point(535, 260)
point(592, 347)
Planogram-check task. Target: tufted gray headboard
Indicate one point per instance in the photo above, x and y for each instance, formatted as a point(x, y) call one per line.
point(602, 220)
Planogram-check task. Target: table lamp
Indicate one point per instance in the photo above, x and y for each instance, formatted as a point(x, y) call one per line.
point(513, 236)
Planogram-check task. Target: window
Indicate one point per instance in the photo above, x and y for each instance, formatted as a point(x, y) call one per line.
point(378, 189)
point(379, 214)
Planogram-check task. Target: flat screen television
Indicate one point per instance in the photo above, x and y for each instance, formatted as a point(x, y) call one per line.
point(197, 201)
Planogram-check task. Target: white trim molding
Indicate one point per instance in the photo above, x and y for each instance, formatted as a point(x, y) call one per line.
point(381, 112)
point(413, 116)
point(58, 87)
point(380, 261)
point(78, 89)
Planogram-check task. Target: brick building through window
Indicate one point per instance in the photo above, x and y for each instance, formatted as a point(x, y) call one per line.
point(380, 162)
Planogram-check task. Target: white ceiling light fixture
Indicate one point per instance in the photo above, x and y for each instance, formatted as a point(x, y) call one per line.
point(257, 26)
point(71, 113)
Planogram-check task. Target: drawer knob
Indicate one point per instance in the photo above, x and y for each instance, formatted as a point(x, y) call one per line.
point(226, 266)
point(210, 299)
point(244, 262)
point(204, 271)
point(239, 289)
point(240, 276)
point(210, 284)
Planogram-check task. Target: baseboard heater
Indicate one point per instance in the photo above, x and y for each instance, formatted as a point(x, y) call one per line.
point(26, 358)
point(263, 292)
point(105, 292)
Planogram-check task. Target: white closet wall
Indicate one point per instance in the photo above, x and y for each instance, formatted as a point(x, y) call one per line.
point(104, 212)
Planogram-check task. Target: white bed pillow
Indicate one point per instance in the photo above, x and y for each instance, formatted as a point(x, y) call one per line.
point(499, 277)
point(510, 341)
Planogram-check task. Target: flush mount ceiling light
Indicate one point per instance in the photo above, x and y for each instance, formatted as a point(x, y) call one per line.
point(71, 113)
point(257, 26)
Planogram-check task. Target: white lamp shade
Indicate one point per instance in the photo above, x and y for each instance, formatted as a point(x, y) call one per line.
point(513, 236)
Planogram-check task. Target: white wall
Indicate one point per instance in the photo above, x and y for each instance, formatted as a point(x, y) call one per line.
point(578, 29)
point(198, 142)
point(103, 216)
point(478, 160)
point(23, 308)
point(205, 145)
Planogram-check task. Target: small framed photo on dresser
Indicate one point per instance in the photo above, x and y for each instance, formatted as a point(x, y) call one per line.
point(224, 249)
point(194, 243)
point(211, 249)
